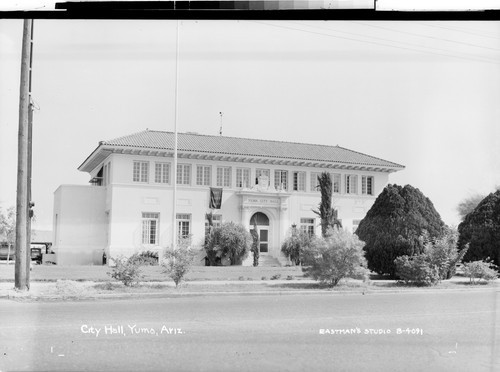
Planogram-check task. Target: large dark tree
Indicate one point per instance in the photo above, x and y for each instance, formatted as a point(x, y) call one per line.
point(481, 230)
point(394, 226)
point(325, 210)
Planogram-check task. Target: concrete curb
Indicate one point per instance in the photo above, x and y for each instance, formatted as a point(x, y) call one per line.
point(14, 295)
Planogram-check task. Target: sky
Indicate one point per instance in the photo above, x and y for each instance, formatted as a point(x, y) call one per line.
point(422, 94)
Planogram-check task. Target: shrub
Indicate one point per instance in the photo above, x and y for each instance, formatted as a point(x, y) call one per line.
point(393, 225)
point(443, 253)
point(294, 245)
point(481, 230)
point(275, 276)
point(178, 262)
point(416, 270)
point(145, 258)
point(480, 269)
point(437, 261)
point(229, 240)
point(126, 271)
point(338, 255)
point(289, 277)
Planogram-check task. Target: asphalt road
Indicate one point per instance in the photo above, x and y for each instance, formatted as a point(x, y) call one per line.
point(439, 331)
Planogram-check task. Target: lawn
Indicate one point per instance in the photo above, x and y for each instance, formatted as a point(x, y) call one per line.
point(152, 273)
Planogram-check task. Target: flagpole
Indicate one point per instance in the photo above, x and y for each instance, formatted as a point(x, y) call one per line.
point(174, 201)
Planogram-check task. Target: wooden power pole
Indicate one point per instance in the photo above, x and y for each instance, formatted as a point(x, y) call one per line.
point(23, 154)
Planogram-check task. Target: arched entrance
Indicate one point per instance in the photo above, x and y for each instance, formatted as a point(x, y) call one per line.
point(262, 222)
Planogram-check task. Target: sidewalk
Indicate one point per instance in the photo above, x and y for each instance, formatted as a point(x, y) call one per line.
point(89, 290)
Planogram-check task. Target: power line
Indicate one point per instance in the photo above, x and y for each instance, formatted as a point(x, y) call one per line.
point(428, 37)
point(466, 56)
point(375, 43)
point(470, 32)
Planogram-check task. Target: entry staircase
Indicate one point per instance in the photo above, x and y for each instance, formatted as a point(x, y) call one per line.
point(268, 261)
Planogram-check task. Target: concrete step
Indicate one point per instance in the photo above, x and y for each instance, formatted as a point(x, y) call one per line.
point(268, 261)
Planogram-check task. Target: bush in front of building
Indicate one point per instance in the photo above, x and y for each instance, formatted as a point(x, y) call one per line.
point(145, 258)
point(230, 240)
point(482, 269)
point(126, 271)
point(481, 230)
point(338, 255)
point(295, 244)
point(394, 224)
point(177, 263)
point(437, 262)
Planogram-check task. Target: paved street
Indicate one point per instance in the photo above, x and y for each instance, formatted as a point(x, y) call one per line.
point(439, 331)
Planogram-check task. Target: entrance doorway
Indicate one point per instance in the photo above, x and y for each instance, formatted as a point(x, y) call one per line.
point(262, 222)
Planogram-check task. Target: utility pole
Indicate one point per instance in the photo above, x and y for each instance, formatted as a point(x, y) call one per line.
point(22, 201)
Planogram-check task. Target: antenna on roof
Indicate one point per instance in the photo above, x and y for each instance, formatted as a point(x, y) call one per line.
point(220, 130)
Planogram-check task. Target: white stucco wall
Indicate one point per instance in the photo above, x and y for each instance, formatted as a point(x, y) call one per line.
point(80, 224)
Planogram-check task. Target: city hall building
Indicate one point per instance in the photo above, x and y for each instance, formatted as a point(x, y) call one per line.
point(128, 206)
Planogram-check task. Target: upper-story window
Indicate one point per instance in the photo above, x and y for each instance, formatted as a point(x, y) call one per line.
point(261, 172)
point(183, 174)
point(299, 181)
point(315, 181)
point(336, 182)
point(141, 171)
point(162, 172)
point(367, 185)
point(351, 184)
point(281, 180)
point(224, 176)
point(243, 177)
point(203, 175)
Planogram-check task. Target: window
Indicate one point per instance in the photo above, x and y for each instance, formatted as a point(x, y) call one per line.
point(336, 183)
point(355, 224)
point(243, 177)
point(216, 221)
point(203, 175)
point(367, 185)
point(224, 176)
point(183, 226)
point(351, 184)
point(141, 171)
point(299, 181)
point(162, 172)
point(307, 226)
point(262, 172)
point(315, 181)
point(150, 228)
point(183, 174)
point(280, 180)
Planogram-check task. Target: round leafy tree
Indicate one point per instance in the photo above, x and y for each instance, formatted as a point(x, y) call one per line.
point(481, 230)
point(394, 224)
point(229, 240)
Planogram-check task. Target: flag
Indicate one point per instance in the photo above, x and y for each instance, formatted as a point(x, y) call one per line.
point(215, 198)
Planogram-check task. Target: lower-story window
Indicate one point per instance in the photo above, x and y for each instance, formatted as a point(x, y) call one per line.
point(150, 227)
point(307, 226)
point(183, 226)
point(216, 222)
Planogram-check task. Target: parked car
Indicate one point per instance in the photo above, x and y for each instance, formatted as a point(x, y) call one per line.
point(4, 252)
point(36, 254)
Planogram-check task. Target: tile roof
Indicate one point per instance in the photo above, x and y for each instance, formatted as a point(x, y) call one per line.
point(198, 143)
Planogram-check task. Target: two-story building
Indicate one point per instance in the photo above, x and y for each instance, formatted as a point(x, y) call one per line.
point(129, 205)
